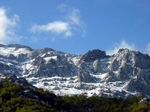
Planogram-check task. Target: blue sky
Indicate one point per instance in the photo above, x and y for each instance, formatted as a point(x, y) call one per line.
point(76, 25)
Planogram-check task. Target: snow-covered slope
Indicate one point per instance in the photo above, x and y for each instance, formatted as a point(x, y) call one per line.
point(123, 74)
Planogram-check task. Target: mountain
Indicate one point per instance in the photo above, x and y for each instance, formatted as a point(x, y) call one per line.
point(123, 74)
point(17, 95)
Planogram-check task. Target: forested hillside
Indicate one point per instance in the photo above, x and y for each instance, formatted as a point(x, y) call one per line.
point(19, 96)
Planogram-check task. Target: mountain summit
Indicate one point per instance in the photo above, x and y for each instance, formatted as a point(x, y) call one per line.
point(123, 74)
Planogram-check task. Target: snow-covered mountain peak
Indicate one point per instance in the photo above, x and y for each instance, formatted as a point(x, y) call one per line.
point(93, 73)
point(15, 50)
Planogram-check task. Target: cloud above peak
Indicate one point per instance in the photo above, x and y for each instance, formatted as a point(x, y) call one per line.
point(67, 26)
point(7, 25)
point(148, 49)
point(122, 44)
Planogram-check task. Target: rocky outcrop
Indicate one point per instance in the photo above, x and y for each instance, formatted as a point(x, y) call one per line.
point(97, 66)
point(93, 55)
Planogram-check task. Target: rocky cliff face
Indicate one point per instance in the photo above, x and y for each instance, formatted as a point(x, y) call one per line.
point(93, 73)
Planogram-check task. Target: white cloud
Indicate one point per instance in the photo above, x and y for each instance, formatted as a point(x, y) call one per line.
point(7, 25)
point(122, 44)
point(59, 27)
point(66, 26)
point(74, 17)
point(148, 49)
